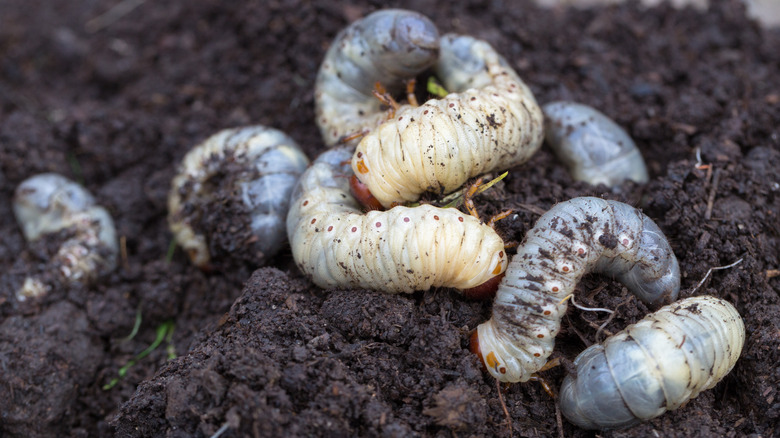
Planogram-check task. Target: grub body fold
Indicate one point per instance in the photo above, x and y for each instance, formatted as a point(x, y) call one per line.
point(398, 250)
point(655, 365)
point(573, 238)
point(490, 121)
point(266, 164)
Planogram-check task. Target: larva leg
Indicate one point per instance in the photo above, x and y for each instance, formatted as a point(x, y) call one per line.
point(573, 238)
point(491, 121)
point(411, 98)
point(655, 365)
point(49, 203)
point(387, 46)
point(594, 148)
point(399, 250)
point(258, 163)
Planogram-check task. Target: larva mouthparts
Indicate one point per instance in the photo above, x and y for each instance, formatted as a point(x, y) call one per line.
point(573, 238)
point(655, 365)
point(48, 203)
point(398, 250)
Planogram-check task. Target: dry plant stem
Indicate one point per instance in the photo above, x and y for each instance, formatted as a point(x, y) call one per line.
point(709, 271)
point(713, 190)
point(503, 407)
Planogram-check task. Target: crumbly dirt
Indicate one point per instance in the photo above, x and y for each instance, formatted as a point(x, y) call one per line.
point(115, 104)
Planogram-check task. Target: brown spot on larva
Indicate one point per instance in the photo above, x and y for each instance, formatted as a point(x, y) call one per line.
point(305, 203)
point(400, 118)
point(314, 220)
point(378, 224)
point(473, 98)
point(360, 154)
point(540, 336)
point(330, 228)
point(460, 218)
point(581, 251)
point(565, 269)
point(501, 253)
point(452, 105)
point(537, 355)
point(502, 370)
point(625, 242)
point(406, 219)
point(425, 112)
point(435, 217)
point(354, 229)
point(555, 289)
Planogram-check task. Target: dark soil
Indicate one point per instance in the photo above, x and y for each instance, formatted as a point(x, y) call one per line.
point(117, 106)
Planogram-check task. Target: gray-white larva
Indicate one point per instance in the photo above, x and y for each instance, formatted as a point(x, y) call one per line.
point(49, 203)
point(491, 121)
point(387, 46)
point(655, 365)
point(573, 238)
point(265, 165)
point(399, 250)
point(594, 148)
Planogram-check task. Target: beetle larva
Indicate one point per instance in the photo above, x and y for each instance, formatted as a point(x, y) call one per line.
point(264, 165)
point(491, 121)
point(655, 365)
point(387, 46)
point(49, 203)
point(399, 250)
point(594, 148)
point(573, 238)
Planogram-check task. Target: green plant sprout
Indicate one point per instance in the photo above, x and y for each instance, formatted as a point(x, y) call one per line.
point(164, 333)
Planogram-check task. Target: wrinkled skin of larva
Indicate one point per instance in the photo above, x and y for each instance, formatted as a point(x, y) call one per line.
point(655, 365)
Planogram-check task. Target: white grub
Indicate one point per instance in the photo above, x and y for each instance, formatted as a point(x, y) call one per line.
point(48, 203)
point(399, 250)
point(572, 239)
point(490, 121)
point(655, 365)
point(272, 163)
point(593, 147)
point(387, 46)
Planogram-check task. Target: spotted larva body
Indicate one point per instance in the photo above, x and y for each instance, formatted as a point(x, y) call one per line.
point(573, 238)
point(655, 365)
point(49, 203)
point(387, 46)
point(594, 148)
point(490, 121)
point(398, 250)
point(267, 162)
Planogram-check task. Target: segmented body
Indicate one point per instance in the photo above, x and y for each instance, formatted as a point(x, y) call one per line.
point(267, 164)
point(387, 46)
point(49, 203)
point(655, 365)
point(490, 121)
point(594, 148)
point(573, 238)
point(399, 250)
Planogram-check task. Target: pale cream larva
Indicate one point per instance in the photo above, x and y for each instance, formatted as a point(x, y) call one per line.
point(399, 250)
point(49, 203)
point(387, 46)
point(573, 238)
point(265, 164)
point(655, 365)
point(490, 121)
point(594, 148)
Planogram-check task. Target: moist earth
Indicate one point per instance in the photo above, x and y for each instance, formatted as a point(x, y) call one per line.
point(115, 101)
